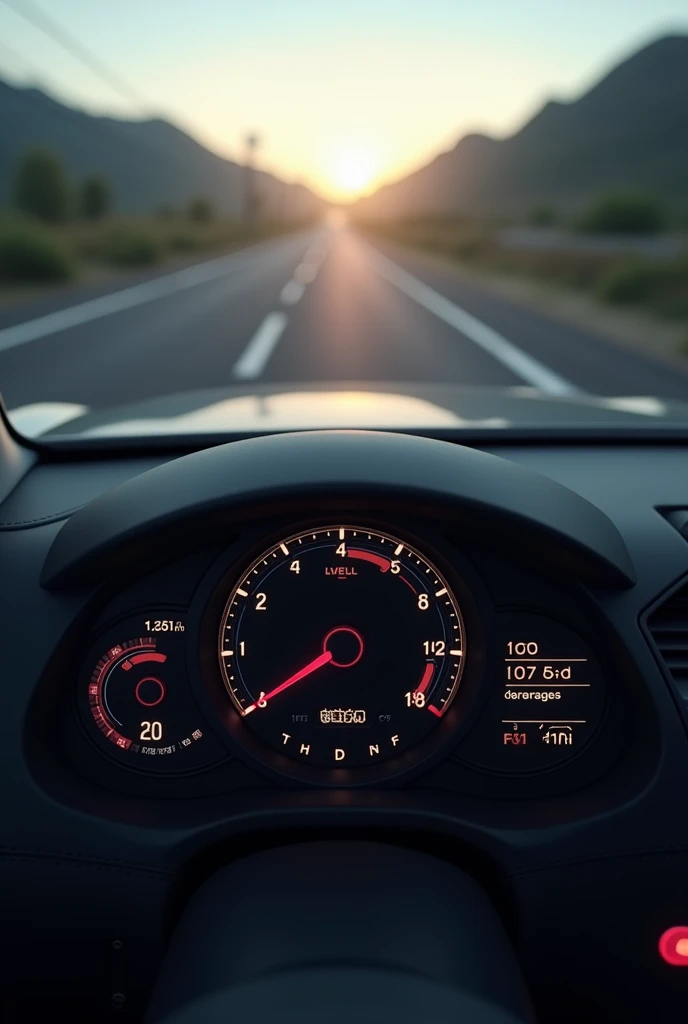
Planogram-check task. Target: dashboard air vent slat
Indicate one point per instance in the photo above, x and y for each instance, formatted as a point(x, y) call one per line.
point(668, 625)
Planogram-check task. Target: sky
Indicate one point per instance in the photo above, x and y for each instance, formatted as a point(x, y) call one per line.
point(343, 96)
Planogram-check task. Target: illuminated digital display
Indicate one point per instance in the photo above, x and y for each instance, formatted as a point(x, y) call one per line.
point(547, 698)
point(342, 716)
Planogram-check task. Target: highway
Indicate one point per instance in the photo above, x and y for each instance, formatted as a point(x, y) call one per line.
point(319, 305)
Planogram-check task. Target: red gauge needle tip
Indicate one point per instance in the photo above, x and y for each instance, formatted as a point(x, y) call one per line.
point(312, 666)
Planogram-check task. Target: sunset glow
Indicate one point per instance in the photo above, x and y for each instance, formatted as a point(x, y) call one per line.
point(343, 98)
point(352, 170)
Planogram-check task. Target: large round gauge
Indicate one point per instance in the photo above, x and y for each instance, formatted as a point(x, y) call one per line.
point(342, 647)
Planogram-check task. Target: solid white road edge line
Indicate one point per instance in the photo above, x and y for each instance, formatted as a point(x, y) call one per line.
point(253, 359)
point(524, 366)
point(127, 298)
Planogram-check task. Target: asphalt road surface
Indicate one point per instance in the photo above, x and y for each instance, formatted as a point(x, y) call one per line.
point(320, 305)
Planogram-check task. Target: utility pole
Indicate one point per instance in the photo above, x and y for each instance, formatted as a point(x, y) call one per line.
point(250, 197)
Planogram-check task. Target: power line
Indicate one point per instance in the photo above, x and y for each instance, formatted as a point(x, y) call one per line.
point(32, 13)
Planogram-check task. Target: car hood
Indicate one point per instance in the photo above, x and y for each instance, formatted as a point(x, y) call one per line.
point(389, 406)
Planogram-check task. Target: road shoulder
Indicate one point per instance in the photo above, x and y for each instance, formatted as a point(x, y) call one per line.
point(635, 330)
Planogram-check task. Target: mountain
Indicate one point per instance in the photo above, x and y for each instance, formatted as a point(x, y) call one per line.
point(630, 131)
point(149, 163)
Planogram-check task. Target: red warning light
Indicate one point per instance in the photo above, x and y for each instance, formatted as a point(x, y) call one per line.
point(673, 946)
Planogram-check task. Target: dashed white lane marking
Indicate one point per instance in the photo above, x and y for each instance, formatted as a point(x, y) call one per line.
point(524, 366)
point(255, 356)
point(305, 273)
point(253, 359)
point(115, 302)
point(316, 253)
point(292, 292)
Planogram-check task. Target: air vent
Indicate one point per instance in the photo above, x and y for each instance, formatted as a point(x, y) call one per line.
point(678, 517)
point(668, 625)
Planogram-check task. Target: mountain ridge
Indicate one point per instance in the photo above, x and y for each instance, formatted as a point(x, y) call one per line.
point(629, 130)
point(150, 163)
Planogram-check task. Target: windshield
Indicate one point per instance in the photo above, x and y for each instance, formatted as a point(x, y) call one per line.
point(226, 217)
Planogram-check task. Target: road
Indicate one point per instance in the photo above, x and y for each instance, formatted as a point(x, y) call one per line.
point(319, 305)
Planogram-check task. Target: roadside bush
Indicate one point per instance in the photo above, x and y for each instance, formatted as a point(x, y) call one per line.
point(542, 215)
point(630, 282)
point(470, 247)
point(41, 188)
point(28, 256)
point(636, 281)
point(571, 269)
point(129, 247)
point(201, 211)
point(624, 213)
point(671, 299)
point(182, 241)
point(94, 198)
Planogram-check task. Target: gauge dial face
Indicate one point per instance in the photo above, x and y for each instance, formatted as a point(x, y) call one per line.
point(342, 647)
point(138, 703)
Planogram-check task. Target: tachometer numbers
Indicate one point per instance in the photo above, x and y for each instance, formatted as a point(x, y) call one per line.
point(342, 646)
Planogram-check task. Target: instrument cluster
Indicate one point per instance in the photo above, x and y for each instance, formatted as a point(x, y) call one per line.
point(342, 654)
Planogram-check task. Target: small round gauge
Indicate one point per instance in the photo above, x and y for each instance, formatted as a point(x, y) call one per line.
point(342, 647)
point(139, 701)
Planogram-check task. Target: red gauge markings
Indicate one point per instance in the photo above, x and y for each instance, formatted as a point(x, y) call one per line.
point(427, 676)
point(369, 556)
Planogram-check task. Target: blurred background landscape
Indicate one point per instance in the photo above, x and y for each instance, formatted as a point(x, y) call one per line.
point(582, 198)
point(590, 194)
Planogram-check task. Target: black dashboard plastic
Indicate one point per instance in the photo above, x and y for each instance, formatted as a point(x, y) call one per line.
point(93, 854)
point(452, 938)
point(264, 471)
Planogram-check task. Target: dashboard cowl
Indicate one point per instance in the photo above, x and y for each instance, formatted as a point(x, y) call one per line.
point(211, 487)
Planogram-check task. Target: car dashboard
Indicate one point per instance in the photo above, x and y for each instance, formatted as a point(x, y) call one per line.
point(477, 652)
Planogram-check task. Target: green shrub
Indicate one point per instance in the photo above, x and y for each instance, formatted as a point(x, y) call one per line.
point(573, 269)
point(130, 247)
point(470, 247)
point(41, 188)
point(671, 299)
point(94, 198)
point(182, 241)
point(542, 215)
point(624, 213)
point(637, 280)
point(200, 210)
point(27, 255)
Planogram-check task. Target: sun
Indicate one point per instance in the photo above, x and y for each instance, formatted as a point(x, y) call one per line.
point(352, 169)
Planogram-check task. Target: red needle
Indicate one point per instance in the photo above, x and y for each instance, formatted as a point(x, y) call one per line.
point(322, 659)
